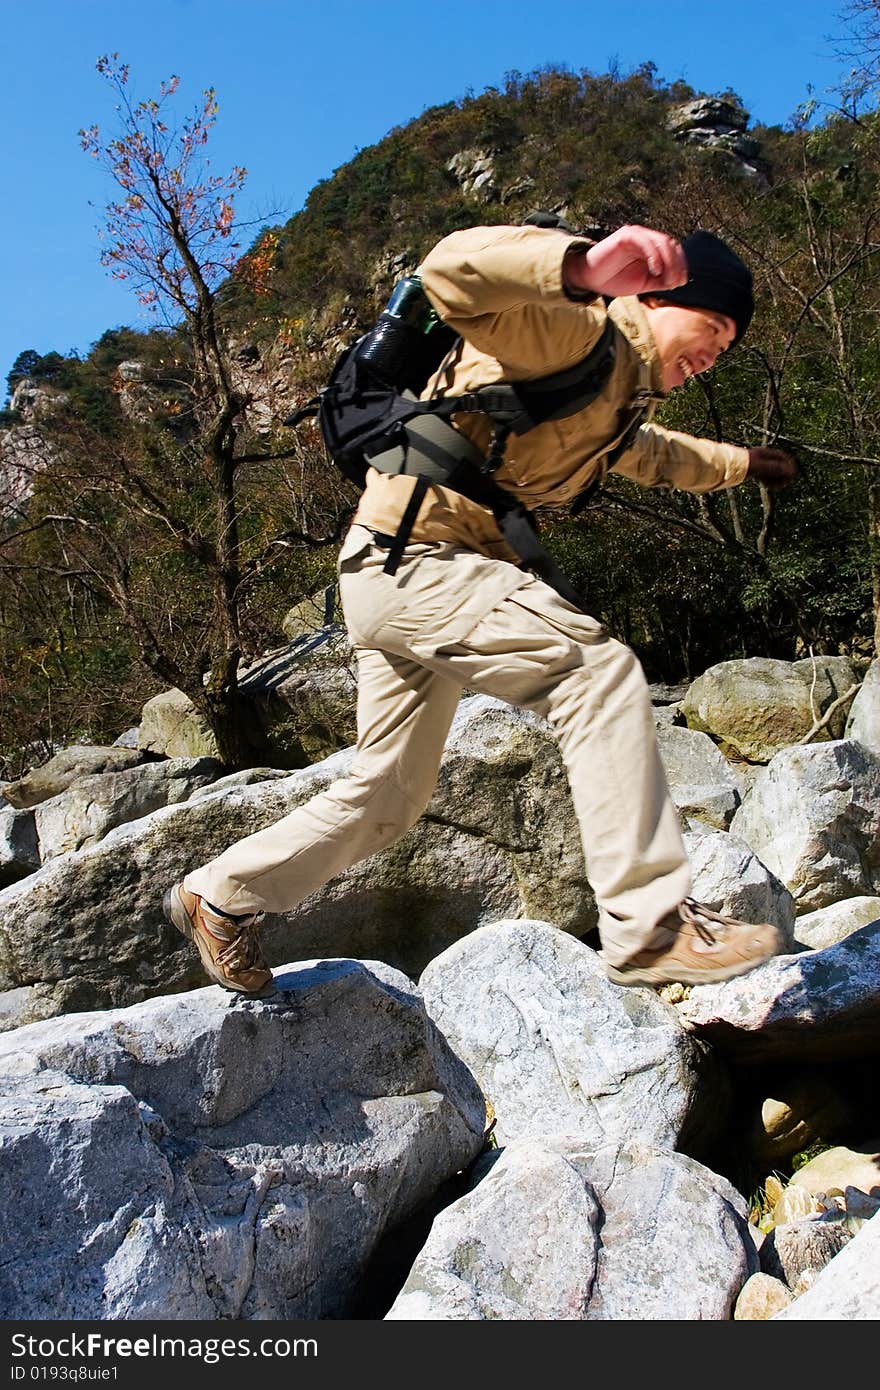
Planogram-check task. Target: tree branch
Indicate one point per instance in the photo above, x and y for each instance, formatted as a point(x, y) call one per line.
point(832, 709)
point(711, 532)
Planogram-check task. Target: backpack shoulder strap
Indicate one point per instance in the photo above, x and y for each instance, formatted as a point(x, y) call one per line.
point(521, 405)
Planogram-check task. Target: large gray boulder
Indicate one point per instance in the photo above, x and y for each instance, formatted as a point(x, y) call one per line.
point(757, 706)
point(19, 851)
point(210, 1157)
point(171, 727)
point(499, 838)
point(813, 817)
point(65, 767)
point(796, 1251)
point(730, 878)
point(701, 781)
point(502, 782)
point(247, 777)
point(818, 1005)
point(828, 925)
point(92, 806)
point(554, 1230)
point(556, 1047)
point(863, 721)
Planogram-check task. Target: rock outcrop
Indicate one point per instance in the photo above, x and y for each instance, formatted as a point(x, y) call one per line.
point(474, 170)
point(756, 707)
point(719, 124)
point(224, 1158)
point(863, 721)
point(813, 818)
point(25, 450)
point(557, 1230)
point(525, 1006)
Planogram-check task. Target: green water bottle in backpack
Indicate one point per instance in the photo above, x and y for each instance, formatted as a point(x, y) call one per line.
point(407, 337)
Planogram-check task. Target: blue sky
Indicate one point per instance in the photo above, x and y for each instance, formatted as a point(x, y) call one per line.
point(302, 86)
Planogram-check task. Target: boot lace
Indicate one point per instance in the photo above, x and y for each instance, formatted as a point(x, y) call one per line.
point(244, 951)
point(695, 915)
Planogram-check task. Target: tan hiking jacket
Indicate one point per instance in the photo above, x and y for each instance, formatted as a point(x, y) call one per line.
point(501, 288)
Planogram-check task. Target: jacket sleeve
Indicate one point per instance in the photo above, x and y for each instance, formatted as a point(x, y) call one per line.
point(475, 276)
point(665, 458)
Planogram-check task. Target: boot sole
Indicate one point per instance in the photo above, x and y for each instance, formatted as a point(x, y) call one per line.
point(660, 975)
point(177, 915)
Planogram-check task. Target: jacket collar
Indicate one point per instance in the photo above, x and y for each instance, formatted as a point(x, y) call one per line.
point(629, 316)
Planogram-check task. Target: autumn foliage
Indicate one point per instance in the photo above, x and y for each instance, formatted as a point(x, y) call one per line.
point(256, 269)
point(171, 231)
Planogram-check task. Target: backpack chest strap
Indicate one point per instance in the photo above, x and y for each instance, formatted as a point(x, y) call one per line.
point(518, 406)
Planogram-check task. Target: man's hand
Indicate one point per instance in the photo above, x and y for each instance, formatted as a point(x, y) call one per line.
point(772, 467)
point(633, 260)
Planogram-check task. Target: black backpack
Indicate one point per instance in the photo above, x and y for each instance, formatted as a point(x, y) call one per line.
point(370, 416)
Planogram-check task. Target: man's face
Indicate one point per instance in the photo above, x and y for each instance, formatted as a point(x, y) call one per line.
point(689, 341)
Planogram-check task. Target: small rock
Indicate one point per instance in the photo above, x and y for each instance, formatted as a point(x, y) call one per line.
point(793, 1204)
point(761, 1296)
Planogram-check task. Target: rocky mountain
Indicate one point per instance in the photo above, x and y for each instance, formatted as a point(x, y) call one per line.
point(687, 582)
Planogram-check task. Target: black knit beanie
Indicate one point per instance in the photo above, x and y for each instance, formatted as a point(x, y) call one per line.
point(717, 280)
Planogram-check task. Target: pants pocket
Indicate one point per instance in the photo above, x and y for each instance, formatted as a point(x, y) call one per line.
point(542, 602)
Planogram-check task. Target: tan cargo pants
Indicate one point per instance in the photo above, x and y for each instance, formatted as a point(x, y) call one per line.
point(451, 618)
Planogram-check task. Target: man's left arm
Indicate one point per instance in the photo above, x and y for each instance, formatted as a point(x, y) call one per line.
point(666, 458)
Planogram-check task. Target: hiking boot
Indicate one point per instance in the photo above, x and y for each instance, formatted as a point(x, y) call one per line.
point(229, 946)
point(703, 947)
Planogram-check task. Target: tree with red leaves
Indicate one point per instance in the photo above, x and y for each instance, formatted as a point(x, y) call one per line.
point(154, 519)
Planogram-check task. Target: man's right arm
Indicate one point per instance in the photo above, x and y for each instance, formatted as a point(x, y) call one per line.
point(489, 270)
point(633, 260)
point(501, 288)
